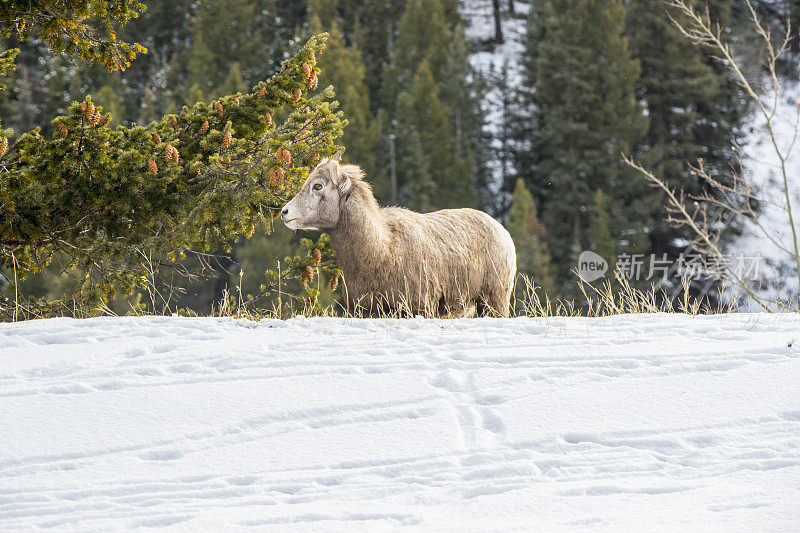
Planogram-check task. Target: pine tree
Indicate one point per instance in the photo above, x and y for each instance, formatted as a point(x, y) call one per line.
point(601, 241)
point(233, 82)
point(429, 77)
point(533, 258)
point(342, 68)
point(507, 126)
point(526, 115)
point(222, 34)
point(694, 107)
point(375, 23)
point(197, 179)
point(421, 115)
point(422, 35)
point(108, 99)
point(584, 80)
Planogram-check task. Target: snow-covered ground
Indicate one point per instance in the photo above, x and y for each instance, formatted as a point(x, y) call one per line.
point(643, 422)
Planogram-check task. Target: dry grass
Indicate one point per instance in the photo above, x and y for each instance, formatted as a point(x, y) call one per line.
point(606, 298)
point(611, 297)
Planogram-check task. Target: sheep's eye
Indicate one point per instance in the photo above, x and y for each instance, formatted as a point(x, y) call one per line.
point(317, 187)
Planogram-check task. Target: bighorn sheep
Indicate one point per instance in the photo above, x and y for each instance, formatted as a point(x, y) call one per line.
point(394, 259)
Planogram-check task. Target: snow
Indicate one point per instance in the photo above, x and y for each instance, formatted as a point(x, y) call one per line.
point(762, 169)
point(639, 422)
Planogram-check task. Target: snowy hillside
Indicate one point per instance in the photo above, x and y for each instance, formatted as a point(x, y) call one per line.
point(336, 424)
point(762, 167)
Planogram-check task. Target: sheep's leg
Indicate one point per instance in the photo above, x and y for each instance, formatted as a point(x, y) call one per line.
point(493, 303)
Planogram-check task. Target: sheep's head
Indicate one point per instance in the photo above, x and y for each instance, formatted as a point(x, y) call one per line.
point(316, 206)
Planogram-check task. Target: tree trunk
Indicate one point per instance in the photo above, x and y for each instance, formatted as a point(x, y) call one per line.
point(498, 27)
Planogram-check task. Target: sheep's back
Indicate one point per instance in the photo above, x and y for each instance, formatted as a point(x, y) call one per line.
point(463, 245)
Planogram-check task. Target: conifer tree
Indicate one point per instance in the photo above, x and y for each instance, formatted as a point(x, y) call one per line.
point(694, 107)
point(526, 115)
point(601, 241)
point(584, 80)
point(422, 115)
point(108, 99)
point(429, 76)
point(343, 69)
point(111, 198)
point(375, 24)
point(533, 258)
point(222, 34)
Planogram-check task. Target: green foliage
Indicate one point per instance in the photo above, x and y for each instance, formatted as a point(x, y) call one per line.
point(584, 80)
point(342, 67)
point(319, 258)
point(601, 240)
point(694, 107)
point(374, 26)
point(79, 28)
point(222, 35)
point(426, 132)
point(111, 199)
point(433, 109)
point(107, 98)
point(533, 258)
point(7, 62)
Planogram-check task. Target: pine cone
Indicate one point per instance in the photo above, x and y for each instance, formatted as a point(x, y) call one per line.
point(3, 146)
point(307, 70)
point(297, 94)
point(273, 175)
point(317, 255)
point(83, 108)
point(218, 108)
point(268, 118)
point(174, 122)
point(152, 166)
point(312, 58)
point(62, 129)
point(89, 110)
point(226, 139)
point(157, 138)
point(171, 153)
point(308, 275)
point(262, 92)
point(283, 155)
point(204, 127)
point(333, 283)
point(95, 117)
point(236, 101)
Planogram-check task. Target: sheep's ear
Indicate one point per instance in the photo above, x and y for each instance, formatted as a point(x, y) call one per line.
point(338, 155)
point(344, 184)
